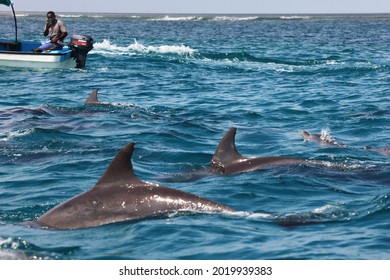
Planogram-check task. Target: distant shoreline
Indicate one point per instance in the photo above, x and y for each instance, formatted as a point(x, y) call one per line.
point(183, 17)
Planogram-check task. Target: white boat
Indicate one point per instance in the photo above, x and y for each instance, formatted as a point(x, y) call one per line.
point(20, 54)
point(14, 53)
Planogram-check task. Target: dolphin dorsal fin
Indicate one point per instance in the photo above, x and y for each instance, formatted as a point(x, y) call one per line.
point(92, 98)
point(120, 168)
point(226, 151)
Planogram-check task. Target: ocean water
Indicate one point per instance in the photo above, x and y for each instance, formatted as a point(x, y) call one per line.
point(175, 85)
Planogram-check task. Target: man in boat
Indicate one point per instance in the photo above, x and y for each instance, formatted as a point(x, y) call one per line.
point(57, 31)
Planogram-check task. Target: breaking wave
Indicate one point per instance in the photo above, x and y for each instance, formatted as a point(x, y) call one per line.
point(223, 17)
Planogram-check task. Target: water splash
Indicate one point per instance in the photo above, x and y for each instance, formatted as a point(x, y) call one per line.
point(327, 138)
point(108, 48)
point(15, 134)
point(21, 249)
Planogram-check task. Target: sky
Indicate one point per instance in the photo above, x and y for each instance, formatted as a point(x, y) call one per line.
point(205, 6)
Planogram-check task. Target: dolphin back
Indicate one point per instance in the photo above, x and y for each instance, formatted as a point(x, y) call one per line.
point(226, 152)
point(92, 98)
point(121, 196)
point(227, 160)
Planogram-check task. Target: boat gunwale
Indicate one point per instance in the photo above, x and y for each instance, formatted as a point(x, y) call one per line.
point(36, 53)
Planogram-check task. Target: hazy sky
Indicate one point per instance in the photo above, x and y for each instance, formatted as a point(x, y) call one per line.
point(205, 6)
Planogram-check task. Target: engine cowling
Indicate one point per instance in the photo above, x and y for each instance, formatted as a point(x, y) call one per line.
point(80, 46)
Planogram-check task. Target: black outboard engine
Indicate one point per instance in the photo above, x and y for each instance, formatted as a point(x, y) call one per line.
point(80, 46)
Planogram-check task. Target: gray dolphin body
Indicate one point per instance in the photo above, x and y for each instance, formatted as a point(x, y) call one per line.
point(322, 139)
point(93, 99)
point(385, 151)
point(327, 140)
point(120, 196)
point(227, 160)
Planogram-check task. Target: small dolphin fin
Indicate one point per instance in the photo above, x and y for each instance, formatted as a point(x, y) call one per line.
point(120, 168)
point(92, 98)
point(226, 151)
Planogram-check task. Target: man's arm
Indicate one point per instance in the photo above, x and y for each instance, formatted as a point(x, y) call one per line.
point(59, 38)
point(46, 31)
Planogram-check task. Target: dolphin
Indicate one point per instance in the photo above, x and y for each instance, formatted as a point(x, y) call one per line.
point(385, 151)
point(326, 140)
point(120, 196)
point(93, 99)
point(323, 139)
point(227, 160)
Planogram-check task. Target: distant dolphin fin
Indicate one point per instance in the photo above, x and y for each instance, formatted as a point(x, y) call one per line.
point(226, 151)
point(120, 168)
point(92, 98)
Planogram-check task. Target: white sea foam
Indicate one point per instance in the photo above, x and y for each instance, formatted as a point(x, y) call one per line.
point(108, 48)
point(326, 137)
point(334, 62)
point(5, 241)
point(294, 17)
point(70, 16)
point(200, 18)
point(234, 18)
point(177, 18)
point(250, 215)
point(327, 209)
point(14, 134)
point(12, 255)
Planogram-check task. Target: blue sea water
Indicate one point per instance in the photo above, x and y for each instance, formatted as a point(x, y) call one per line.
point(176, 84)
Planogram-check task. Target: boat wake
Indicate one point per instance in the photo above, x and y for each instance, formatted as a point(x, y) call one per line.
point(241, 60)
point(108, 48)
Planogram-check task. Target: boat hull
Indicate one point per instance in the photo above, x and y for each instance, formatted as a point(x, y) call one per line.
point(54, 59)
point(21, 54)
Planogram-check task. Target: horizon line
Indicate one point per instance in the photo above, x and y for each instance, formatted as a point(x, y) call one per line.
point(212, 13)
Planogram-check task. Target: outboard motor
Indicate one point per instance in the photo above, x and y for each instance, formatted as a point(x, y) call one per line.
point(80, 46)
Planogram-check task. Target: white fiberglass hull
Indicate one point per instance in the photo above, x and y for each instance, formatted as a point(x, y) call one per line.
point(54, 59)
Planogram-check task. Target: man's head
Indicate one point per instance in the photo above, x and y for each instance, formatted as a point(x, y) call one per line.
point(51, 14)
point(51, 17)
